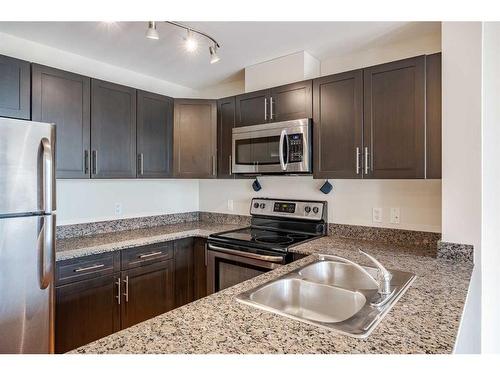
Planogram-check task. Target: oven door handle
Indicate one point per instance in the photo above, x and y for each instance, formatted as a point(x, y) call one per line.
point(283, 137)
point(268, 258)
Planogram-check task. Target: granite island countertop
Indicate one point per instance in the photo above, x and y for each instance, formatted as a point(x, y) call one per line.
point(75, 247)
point(424, 320)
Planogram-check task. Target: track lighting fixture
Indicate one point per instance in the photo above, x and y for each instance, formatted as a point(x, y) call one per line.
point(213, 54)
point(191, 42)
point(152, 33)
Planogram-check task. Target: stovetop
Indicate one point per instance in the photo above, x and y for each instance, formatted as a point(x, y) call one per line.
point(259, 237)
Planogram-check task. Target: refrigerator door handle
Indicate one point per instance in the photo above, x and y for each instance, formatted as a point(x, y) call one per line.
point(48, 176)
point(47, 248)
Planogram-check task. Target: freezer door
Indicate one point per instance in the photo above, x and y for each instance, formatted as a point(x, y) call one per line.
point(27, 170)
point(27, 284)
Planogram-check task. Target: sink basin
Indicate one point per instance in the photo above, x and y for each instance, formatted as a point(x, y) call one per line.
point(339, 274)
point(307, 300)
point(329, 293)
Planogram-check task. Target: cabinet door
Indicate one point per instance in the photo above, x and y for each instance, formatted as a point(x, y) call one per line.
point(14, 88)
point(86, 311)
point(338, 125)
point(252, 108)
point(291, 102)
point(64, 99)
point(155, 115)
point(433, 113)
point(184, 271)
point(200, 268)
point(394, 119)
point(113, 130)
point(146, 292)
point(195, 142)
point(225, 125)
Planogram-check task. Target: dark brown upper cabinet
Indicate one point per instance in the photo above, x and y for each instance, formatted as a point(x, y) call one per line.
point(225, 125)
point(195, 142)
point(146, 292)
point(252, 108)
point(394, 119)
point(155, 116)
point(113, 130)
point(338, 125)
point(291, 102)
point(63, 98)
point(14, 88)
point(282, 103)
point(433, 113)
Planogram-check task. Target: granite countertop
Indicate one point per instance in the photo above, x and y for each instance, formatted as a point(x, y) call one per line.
point(101, 243)
point(425, 319)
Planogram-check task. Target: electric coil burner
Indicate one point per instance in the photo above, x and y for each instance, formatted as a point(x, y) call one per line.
point(276, 225)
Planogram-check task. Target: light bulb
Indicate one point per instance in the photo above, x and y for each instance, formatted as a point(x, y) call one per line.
point(191, 42)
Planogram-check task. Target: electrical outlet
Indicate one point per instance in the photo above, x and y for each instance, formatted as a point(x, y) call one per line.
point(230, 205)
point(395, 215)
point(118, 208)
point(377, 215)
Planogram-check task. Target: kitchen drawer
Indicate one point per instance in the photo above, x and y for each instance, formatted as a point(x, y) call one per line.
point(72, 270)
point(144, 255)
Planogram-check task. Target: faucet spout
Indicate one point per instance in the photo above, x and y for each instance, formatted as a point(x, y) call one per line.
point(384, 277)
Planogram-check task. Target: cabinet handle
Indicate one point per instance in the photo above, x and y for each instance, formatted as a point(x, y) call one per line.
point(86, 161)
point(143, 256)
point(214, 167)
point(83, 269)
point(265, 109)
point(94, 161)
point(119, 295)
point(140, 160)
point(126, 288)
point(271, 108)
point(366, 160)
point(357, 160)
point(230, 164)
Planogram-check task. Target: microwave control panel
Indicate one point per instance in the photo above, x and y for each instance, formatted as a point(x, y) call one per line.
point(295, 148)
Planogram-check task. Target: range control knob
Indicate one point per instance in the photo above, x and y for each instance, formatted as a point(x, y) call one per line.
point(315, 210)
point(262, 205)
point(256, 205)
point(307, 209)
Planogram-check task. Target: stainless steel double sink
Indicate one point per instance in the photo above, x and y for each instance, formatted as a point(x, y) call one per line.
point(329, 293)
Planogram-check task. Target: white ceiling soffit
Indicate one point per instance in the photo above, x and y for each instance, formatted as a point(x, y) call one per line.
point(124, 44)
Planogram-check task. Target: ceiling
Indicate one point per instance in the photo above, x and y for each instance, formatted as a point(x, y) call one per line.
point(242, 44)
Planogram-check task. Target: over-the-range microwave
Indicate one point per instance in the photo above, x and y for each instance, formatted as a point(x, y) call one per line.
point(280, 147)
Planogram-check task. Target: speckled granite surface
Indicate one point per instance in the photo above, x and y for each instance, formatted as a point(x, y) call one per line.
point(425, 320)
point(455, 251)
point(87, 245)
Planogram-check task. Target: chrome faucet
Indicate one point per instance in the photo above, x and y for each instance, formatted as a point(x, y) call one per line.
point(383, 280)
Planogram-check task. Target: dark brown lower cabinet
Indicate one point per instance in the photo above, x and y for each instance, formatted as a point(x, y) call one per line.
point(184, 271)
point(146, 292)
point(200, 268)
point(86, 311)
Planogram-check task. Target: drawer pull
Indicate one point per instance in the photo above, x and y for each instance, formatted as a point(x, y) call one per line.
point(83, 269)
point(142, 256)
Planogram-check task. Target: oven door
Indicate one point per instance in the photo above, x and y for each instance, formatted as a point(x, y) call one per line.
point(227, 267)
point(272, 148)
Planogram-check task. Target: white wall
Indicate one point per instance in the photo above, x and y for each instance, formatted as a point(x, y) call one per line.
point(282, 70)
point(350, 202)
point(490, 240)
point(94, 200)
point(461, 182)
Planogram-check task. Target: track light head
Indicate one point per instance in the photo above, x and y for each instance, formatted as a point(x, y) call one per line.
point(191, 42)
point(213, 54)
point(152, 33)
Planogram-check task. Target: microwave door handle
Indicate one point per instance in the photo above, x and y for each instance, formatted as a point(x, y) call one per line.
point(281, 154)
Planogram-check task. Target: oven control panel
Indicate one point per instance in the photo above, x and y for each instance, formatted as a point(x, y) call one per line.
point(309, 210)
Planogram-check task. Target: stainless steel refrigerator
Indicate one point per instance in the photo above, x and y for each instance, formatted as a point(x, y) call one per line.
point(27, 236)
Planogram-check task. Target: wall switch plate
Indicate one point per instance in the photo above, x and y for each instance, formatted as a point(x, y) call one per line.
point(230, 205)
point(118, 208)
point(377, 215)
point(395, 215)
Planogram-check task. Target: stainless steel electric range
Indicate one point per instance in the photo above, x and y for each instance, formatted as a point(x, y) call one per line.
point(276, 225)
